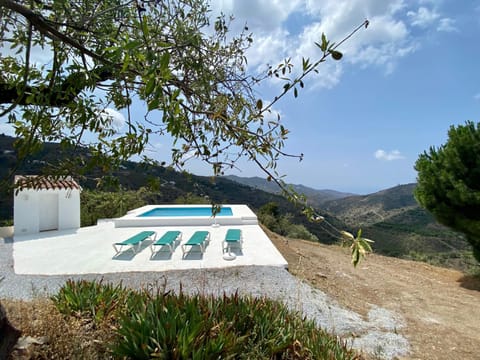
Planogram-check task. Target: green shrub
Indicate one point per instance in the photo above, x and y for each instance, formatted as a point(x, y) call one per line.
point(190, 198)
point(300, 232)
point(7, 222)
point(199, 327)
point(93, 299)
point(269, 215)
point(270, 222)
point(169, 326)
point(103, 204)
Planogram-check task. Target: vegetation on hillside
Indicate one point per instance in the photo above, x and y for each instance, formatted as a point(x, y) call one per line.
point(315, 197)
point(449, 182)
point(269, 215)
point(95, 205)
point(401, 228)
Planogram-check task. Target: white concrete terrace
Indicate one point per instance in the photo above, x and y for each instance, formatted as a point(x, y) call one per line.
point(89, 250)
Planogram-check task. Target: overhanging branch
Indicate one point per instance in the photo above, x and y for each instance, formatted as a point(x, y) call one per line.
point(57, 96)
point(42, 25)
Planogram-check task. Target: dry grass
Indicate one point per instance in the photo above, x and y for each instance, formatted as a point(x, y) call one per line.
point(64, 338)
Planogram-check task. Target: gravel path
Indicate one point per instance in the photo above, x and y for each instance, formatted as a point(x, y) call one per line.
point(375, 334)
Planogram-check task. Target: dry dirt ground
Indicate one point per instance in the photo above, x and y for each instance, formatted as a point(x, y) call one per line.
point(441, 307)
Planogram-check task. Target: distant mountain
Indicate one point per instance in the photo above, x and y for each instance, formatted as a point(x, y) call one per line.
point(362, 210)
point(315, 197)
point(401, 228)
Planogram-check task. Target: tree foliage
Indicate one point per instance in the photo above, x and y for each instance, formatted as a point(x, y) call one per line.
point(65, 64)
point(449, 182)
point(191, 75)
point(107, 205)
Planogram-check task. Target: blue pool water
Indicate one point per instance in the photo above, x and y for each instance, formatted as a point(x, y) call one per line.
point(185, 211)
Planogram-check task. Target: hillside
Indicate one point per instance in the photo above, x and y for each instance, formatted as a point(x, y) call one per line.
point(365, 210)
point(392, 218)
point(314, 196)
point(438, 306)
point(401, 228)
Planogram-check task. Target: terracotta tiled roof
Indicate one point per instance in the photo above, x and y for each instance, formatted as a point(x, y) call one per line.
point(45, 183)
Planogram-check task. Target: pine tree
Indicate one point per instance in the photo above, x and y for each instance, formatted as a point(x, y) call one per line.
point(449, 182)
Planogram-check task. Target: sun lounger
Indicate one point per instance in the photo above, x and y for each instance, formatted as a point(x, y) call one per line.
point(168, 239)
point(199, 238)
point(232, 237)
point(135, 241)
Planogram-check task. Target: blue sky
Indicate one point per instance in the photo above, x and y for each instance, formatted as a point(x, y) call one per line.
point(362, 122)
point(403, 82)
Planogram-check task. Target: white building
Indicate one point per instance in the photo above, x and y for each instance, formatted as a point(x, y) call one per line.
point(42, 204)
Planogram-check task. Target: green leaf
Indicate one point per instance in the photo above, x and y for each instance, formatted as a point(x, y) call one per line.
point(306, 63)
point(324, 45)
point(150, 86)
point(359, 233)
point(132, 45)
point(153, 104)
point(126, 62)
point(164, 61)
point(145, 28)
point(355, 256)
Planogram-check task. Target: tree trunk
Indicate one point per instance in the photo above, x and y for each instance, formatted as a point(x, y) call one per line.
point(8, 334)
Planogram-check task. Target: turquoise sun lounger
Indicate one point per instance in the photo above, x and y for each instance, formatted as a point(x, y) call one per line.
point(134, 242)
point(199, 238)
point(168, 239)
point(232, 237)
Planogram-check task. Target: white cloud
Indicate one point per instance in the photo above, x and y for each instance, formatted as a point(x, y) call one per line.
point(387, 40)
point(268, 49)
point(423, 17)
point(7, 129)
point(261, 16)
point(272, 115)
point(447, 25)
point(117, 120)
point(388, 156)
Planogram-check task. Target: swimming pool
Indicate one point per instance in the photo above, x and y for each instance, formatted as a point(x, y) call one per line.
point(185, 211)
point(186, 215)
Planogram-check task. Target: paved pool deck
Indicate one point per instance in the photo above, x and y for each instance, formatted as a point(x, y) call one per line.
point(89, 251)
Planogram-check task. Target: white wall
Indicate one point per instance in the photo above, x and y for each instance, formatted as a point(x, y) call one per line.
point(29, 204)
point(25, 212)
point(69, 209)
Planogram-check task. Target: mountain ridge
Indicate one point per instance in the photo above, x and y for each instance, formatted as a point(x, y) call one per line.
point(398, 225)
point(315, 196)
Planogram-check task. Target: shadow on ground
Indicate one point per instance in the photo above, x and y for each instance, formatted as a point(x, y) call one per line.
point(470, 282)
